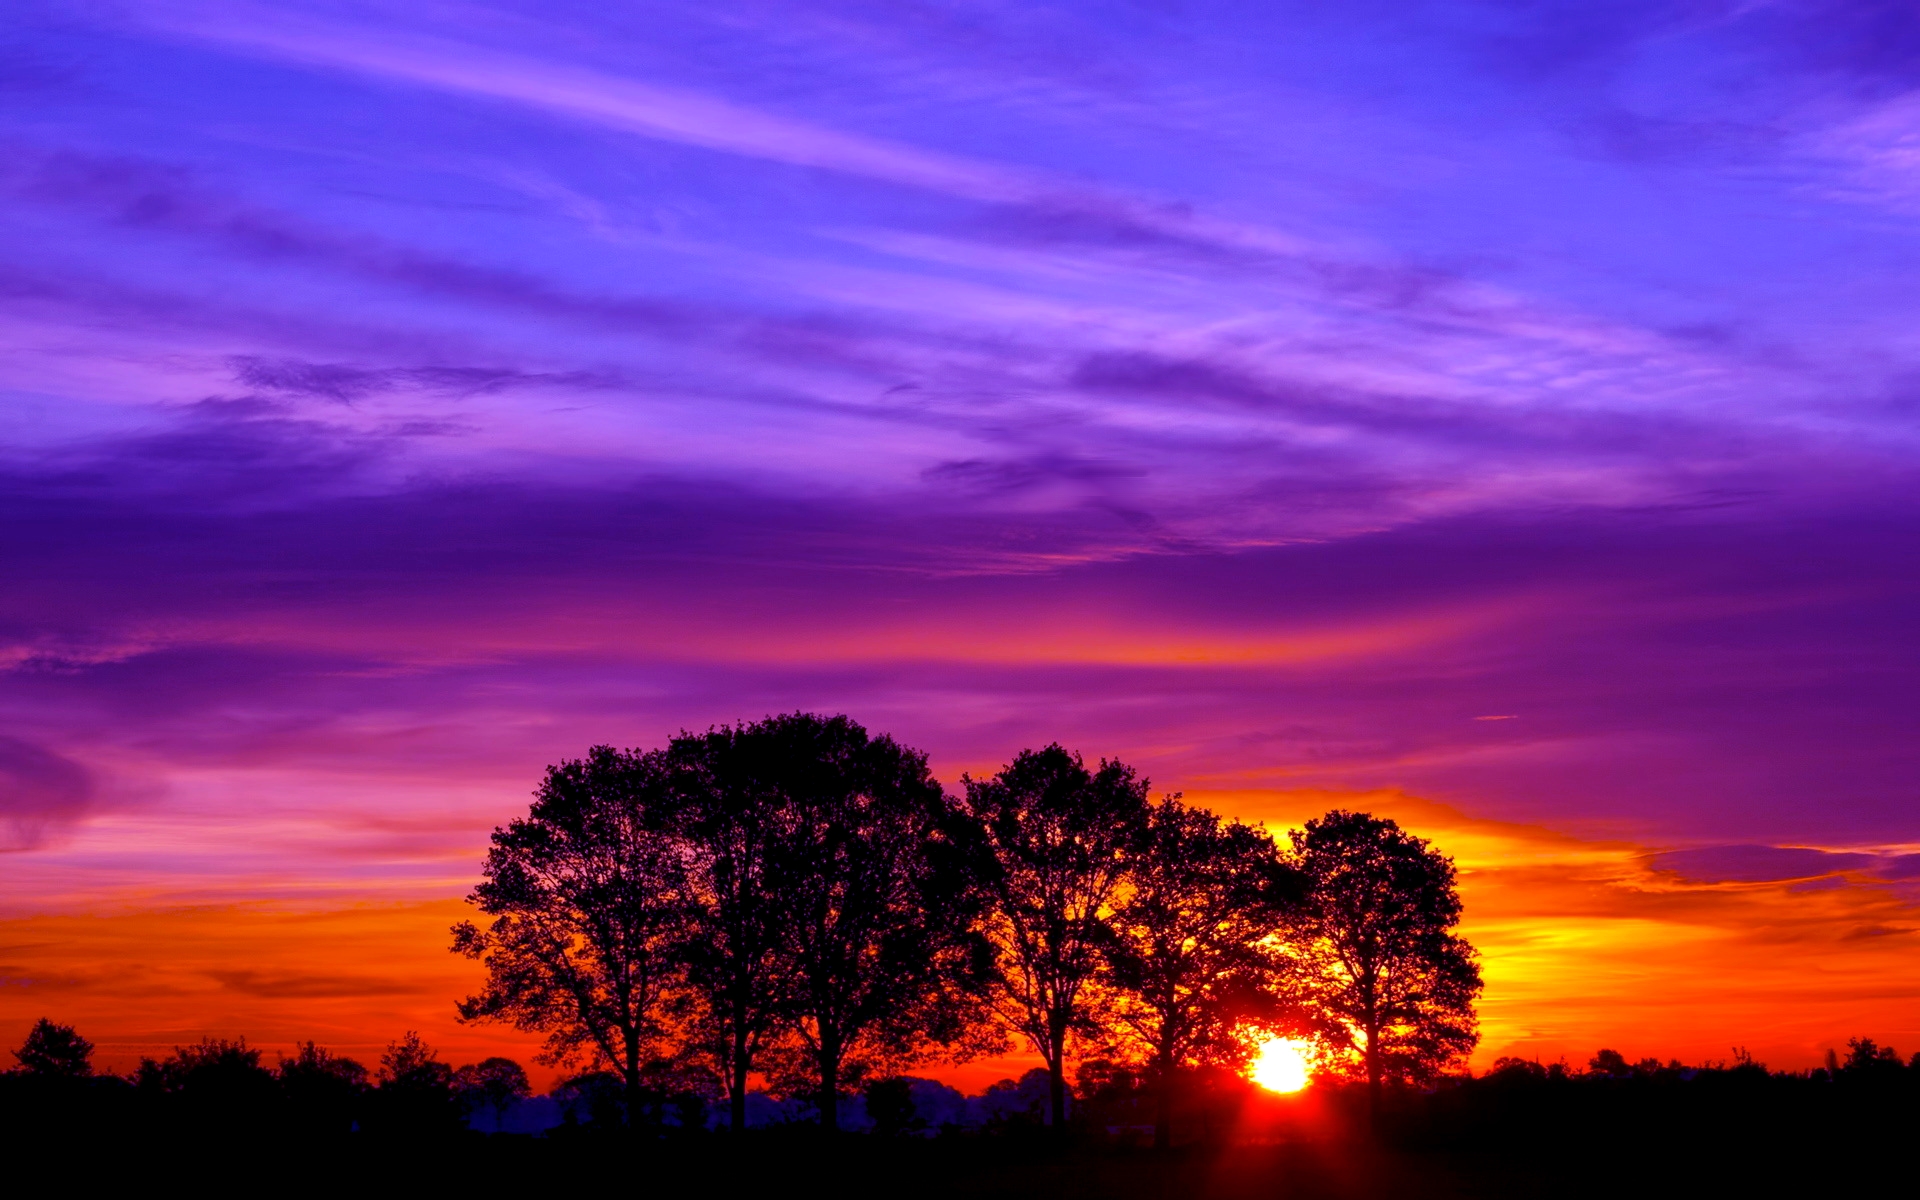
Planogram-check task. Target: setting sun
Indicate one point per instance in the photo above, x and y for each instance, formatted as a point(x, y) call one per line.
point(1283, 1065)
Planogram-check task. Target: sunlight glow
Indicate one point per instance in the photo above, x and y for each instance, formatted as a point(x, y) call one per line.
point(1283, 1064)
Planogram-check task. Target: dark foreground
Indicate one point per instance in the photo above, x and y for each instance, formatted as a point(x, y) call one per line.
point(1521, 1131)
point(1768, 1156)
point(771, 1167)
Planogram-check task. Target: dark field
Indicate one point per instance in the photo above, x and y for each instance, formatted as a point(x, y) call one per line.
point(1722, 1133)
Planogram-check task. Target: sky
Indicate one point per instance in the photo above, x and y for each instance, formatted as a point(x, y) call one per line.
point(1501, 417)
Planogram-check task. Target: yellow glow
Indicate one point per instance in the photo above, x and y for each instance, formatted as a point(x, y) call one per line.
point(1283, 1064)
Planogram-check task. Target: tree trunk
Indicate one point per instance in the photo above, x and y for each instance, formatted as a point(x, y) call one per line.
point(829, 1090)
point(1057, 1092)
point(633, 1085)
point(1163, 1103)
point(739, 1062)
point(1057, 1073)
point(1373, 1073)
point(737, 1093)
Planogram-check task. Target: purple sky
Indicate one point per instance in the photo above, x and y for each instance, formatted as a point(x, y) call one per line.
point(1510, 408)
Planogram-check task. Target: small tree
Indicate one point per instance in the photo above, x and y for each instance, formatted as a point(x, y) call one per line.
point(213, 1084)
point(590, 904)
point(1193, 961)
point(495, 1084)
point(1376, 937)
point(416, 1089)
point(323, 1089)
point(55, 1052)
point(1061, 839)
point(890, 1107)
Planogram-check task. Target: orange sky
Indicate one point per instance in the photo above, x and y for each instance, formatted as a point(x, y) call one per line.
point(1584, 945)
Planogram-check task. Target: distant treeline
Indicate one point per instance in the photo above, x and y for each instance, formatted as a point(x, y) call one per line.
point(223, 1086)
point(1519, 1107)
point(798, 902)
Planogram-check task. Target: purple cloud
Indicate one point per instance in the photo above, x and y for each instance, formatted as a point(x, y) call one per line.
point(39, 790)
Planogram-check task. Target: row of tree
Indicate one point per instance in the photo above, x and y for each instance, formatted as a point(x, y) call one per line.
point(218, 1083)
point(799, 901)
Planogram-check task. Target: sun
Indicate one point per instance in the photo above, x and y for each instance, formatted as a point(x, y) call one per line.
point(1283, 1064)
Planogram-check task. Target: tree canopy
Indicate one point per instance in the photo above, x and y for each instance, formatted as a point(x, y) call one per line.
point(1375, 936)
point(1062, 838)
point(590, 902)
point(1193, 968)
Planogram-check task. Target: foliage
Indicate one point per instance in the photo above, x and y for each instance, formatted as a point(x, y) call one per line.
point(1375, 935)
point(55, 1051)
point(878, 953)
point(1062, 839)
point(416, 1093)
point(325, 1090)
point(890, 1107)
point(1192, 965)
point(590, 906)
point(493, 1084)
point(729, 809)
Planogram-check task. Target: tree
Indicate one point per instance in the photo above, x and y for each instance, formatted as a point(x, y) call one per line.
point(890, 1107)
point(416, 1089)
point(213, 1084)
point(323, 1089)
point(55, 1052)
point(729, 804)
point(495, 1084)
point(1193, 964)
point(1376, 936)
point(1061, 839)
point(879, 954)
point(590, 906)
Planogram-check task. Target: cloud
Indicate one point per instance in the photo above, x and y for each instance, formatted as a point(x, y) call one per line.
point(346, 383)
point(267, 985)
point(1756, 864)
point(40, 791)
point(650, 110)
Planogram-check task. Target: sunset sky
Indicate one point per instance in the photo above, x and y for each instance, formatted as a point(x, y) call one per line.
point(1502, 417)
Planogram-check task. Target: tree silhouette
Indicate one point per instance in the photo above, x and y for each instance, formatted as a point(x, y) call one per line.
point(323, 1089)
point(214, 1083)
point(730, 805)
point(1375, 934)
point(590, 903)
point(1192, 963)
point(495, 1084)
point(879, 954)
point(890, 1107)
point(55, 1052)
point(1061, 838)
point(416, 1092)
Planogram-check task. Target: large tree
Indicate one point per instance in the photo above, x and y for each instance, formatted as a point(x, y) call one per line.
point(1376, 935)
point(731, 803)
point(590, 905)
point(1193, 963)
point(878, 931)
point(1062, 838)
